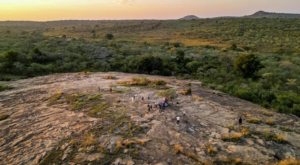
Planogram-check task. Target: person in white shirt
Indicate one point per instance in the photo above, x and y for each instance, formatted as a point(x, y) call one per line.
point(178, 118)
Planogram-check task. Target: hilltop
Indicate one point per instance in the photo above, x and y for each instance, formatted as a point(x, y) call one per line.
point(263, 14)
point(66, 119)
point(190, 17)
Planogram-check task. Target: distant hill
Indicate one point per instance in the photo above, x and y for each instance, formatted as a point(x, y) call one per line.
point(189, 17)
point(263, 14)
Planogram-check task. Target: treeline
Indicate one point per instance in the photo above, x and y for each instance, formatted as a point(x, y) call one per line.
point(269, 79)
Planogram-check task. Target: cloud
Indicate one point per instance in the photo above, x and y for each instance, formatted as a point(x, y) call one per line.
point(124, 2)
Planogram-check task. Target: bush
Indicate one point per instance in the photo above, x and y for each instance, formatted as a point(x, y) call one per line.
point(169, 93)
point(109, 36)
point(270, 122)
point(188, 91)
point(254, 121)
point(247, 65)
point(270, 136)
point(4, 87)
point(233, 138)
point(3, 117)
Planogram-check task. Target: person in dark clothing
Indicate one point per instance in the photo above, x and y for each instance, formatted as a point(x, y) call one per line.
point(99, 89)
point(164, 105)
point(110, 90)
point(240, 121)
point(148, 98)
point(142, 98)
point(148, 108)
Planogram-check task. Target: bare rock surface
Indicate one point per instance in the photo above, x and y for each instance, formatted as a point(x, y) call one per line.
point(125, 133)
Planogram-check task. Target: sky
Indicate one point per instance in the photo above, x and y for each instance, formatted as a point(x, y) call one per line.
point(47, 10)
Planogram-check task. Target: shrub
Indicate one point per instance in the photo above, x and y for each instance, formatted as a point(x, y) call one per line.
point(266, 113)
point(109, 77)
point(287, 129)
point(254, 121)
point(54, 98)
point(270, 122)
point(289, 161)
point(270, 136)
point(211, 150)
point(188, 91)
point(119, 144)
point(198, 98)
point(168, 93)
point(178, 148)
point(3, 117)
point(136, 81)
point(4, 87)
point(231, 127)
point(233, 138)
point(109, 36)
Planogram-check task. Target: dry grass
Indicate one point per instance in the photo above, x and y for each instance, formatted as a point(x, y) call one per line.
point(54, 98)
point(211, 150)
point(211, 105)
point(270, 122)
point(254, 121)
point(141, 141)
point(89, 140)
point(233, 138)
point(109, 77)
point(289, 161)
point(127, 142)
point(119, 144)
point(188, 84)
point(266, 113)
point(188, 91)
point(270, 136)
point(178, 148)
point(248, 115)
point(198, 98)
point(190, 154)
point(178, 83)
point(135, 81)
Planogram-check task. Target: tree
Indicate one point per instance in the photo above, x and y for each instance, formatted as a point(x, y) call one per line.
point(109, 36)
point(247, 64)
point(180, 56)
point(9, 58)
point(233, 47)
point(147, 64)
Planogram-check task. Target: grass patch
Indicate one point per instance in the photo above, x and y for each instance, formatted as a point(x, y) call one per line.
point(5, 87)
point(230, 161)
point(54, 98)
point(270, 122)
point(203, 135)
point(247, 132)
point(157, 84)
point(109, 77)
point(230, 127)
point(233, 138)
point(3, 117)
point(254, 121)
point(178, 148)
point(287, 129)
point(266, 113)
point(169, 93)
point(188, 91)
point(289, 161)
point(98, 108)
point(141, 141)
point(270, 136)
point(198, 98)
point(211, 150)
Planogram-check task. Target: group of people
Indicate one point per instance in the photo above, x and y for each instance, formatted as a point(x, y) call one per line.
point(110, 89)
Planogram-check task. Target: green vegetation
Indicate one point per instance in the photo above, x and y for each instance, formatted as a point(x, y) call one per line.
point(4, 87)
point(270, 136)
point(254, 59)
point(3, 117)
point(287, 129)
point(254, 121)
point(169, 93)
point(233, 138)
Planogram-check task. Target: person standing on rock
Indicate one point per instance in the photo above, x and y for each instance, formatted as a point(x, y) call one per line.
point(99, 89)
point(178, 119)
point(148, 98)
point(133, 98)
point(110, 90)
point(142, 98)
point(183, 113)
point(240, 121)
